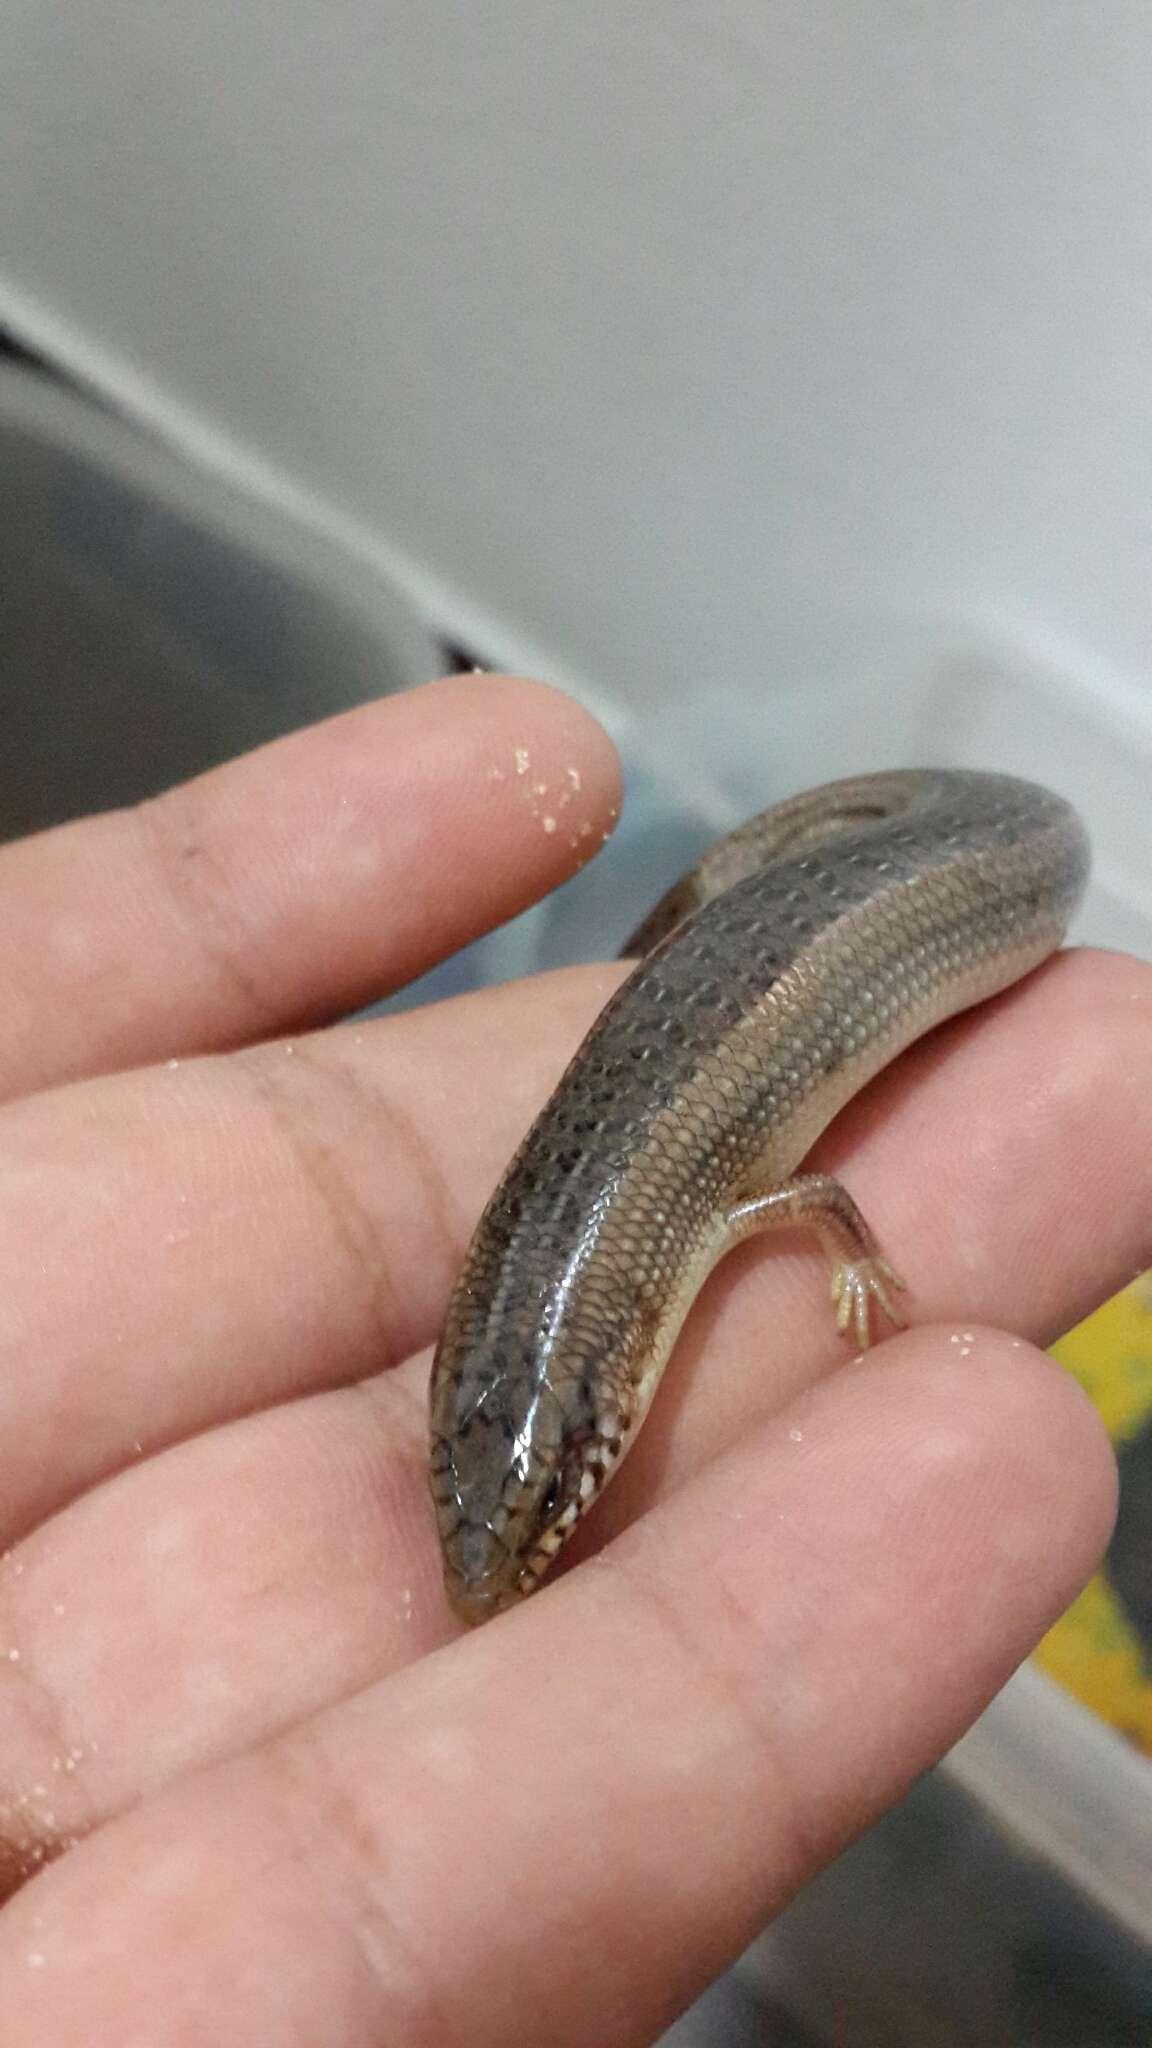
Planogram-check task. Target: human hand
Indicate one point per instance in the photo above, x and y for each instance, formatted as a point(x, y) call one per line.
point(302, 1811)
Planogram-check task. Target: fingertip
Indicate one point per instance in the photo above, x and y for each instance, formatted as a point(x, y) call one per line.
point(984, 1459)
point(560, 764)
point(1038, 1437)
point(363, 850)
point(927, 1512)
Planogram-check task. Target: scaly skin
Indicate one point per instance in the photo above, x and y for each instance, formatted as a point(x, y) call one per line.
point(802, 954)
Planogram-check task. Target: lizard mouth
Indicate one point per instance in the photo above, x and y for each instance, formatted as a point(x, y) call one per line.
point(588, 1479)
point(493, 1561)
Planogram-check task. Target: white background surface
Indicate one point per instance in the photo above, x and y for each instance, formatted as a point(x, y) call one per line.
point(779, 369)
point(715, 344)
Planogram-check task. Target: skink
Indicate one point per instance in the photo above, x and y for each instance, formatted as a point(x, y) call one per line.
point(802, 954)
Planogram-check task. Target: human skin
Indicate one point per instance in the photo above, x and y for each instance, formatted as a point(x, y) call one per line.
point(254, 1786)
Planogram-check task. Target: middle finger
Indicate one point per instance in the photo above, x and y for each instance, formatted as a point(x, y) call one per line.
point(183, 1246)
point(187, 1243)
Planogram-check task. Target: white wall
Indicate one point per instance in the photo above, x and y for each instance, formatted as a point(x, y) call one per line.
point(717, 346)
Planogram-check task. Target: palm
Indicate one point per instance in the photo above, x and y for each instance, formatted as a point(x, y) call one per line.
point(220, 1281)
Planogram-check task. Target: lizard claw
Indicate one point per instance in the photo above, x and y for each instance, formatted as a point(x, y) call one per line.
point(857, 1284)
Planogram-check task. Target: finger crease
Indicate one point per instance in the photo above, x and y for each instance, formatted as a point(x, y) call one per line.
point(442, 1221)
point(717, 1660)
point(351, 1839)
point(199, 889)
point(352, 1226)
point(31, 1833)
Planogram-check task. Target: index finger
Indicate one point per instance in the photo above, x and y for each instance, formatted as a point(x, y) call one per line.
point(296, 883)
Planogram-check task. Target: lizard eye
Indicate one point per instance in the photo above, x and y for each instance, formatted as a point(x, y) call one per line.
point(551, 1499)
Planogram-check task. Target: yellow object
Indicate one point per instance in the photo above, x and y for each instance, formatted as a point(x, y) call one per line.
point(1093, 1651)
